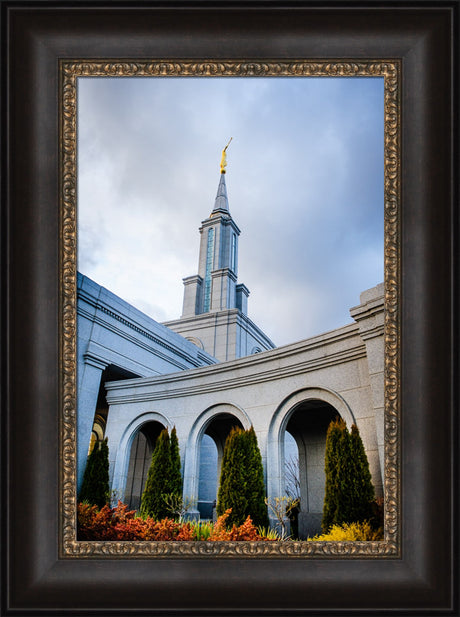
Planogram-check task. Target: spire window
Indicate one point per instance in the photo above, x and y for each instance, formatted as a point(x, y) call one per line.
point(233, 255)
point(207, 278)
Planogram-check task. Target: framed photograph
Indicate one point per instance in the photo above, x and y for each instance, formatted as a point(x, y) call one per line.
point(136, 378)
point(84, 363)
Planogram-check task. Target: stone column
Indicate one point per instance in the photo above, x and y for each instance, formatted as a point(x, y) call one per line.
point(88, 392)
point(275, 477)
point(119, 450)
point(369, 315)
point(223, 294)
point(242, 294)
point(304, 521)
point(192, 296)
point(190, 484)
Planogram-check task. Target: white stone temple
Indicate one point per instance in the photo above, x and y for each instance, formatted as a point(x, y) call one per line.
point(214, 368)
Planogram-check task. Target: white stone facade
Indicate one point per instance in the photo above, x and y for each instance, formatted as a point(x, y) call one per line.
point(273, 391)
point(226, 335)
point(114, 338)
point(136, 376)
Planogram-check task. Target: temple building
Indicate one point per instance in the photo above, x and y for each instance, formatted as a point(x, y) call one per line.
point(212, 369)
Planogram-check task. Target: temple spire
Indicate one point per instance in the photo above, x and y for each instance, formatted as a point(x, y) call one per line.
point(215, 308)
point(221, 202)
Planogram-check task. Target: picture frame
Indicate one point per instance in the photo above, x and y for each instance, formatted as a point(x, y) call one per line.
point(424, 574)
point(163, 73)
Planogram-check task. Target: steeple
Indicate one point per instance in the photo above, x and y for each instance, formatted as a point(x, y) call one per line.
point(214, 314)
point(221, 202)
point(215, 286)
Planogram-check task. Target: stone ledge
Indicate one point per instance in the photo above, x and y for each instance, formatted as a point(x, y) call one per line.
point(179, 383)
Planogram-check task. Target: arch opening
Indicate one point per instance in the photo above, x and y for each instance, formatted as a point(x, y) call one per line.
point(140, 457)
point(211, 450)
point(307, 426)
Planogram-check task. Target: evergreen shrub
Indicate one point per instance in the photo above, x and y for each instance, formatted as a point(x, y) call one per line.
point(349, 490)
point(241, 487)
point(95, 486)
point(362, 508)
point(176, 477)
point(164, 477)
point(255, 486)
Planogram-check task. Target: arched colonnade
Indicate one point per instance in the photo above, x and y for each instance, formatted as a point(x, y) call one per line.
point(304, 415)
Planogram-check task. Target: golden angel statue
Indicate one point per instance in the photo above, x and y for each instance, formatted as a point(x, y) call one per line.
point(223, 160)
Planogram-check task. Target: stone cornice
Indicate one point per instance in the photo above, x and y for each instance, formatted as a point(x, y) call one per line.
point(370, 309)
point(219, 272)
point(372, 303)
point(194, 278)
point(222, 219)
point(251, 327)
point(228, 382)
point(370, 317)
point(99, 353)
point(368, 333)
point(213, 318)
point(264, 366)
point(153, 350)
point(95, 360)
point(242, 287)
point(99, 318)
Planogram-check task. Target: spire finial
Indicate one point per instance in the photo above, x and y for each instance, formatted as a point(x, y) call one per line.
point(223, 160)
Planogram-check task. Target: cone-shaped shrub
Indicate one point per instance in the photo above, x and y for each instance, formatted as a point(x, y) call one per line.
point(364, 489)
point(331, 466)
point(176, 477)
point(232, 489)
point(164, 477)
point(158, 479)
point(95, 486)
point(349, 490)
point(241, 487)
point(257, 507)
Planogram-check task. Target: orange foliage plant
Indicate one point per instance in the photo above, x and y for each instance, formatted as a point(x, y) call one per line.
point(120, 524)
point(246, 531)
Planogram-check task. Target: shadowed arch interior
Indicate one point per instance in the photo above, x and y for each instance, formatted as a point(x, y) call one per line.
point(211, 451)
point(139, 462)
point(308, 425)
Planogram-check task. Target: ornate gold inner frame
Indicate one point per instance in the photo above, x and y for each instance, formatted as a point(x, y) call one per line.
point(70, 71)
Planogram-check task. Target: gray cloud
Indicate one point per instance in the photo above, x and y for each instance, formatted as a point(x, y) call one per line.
point(305, 184)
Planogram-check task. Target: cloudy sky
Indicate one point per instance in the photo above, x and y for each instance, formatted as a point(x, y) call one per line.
point(304, 180)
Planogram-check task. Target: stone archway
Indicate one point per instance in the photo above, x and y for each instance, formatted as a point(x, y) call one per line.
point(305, 415)
point(146, 426)
point(214, 423)
point(140, 458)
point(308, 423)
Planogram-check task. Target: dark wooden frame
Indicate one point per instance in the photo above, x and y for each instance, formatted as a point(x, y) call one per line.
point(425, 37)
